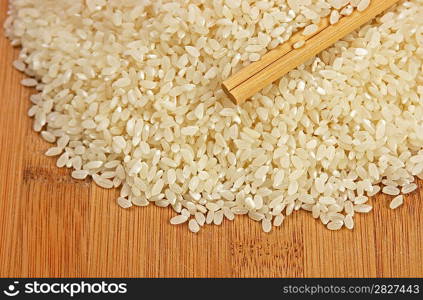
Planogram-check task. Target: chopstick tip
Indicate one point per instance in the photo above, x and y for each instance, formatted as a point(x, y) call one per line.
point(228, 92)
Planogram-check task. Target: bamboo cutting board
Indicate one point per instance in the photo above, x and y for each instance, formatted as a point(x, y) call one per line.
point(54, 226)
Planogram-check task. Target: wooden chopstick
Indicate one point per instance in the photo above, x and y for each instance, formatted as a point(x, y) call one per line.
point(270, 57)
point(283, 59)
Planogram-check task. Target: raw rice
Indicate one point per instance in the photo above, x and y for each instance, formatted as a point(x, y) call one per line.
point(179, 219)
point(334, 225)
point(396, 202)
point(193, 226)
point(310, 29)
point(266, 225)
point(299, 44)
point(391, 190)
point(129, 95)
point(29, 82)
point(409, 188)
point(362, 5)
point(334, 17)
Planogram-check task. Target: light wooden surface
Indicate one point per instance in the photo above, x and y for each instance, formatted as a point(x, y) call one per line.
point(51, 225)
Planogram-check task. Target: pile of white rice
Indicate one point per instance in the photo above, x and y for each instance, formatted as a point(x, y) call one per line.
point(129, 94)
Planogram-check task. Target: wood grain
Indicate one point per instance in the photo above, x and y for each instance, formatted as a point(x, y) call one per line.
point(52, 225)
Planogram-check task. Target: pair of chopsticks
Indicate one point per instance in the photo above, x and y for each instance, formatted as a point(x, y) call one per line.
point(288, 56)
